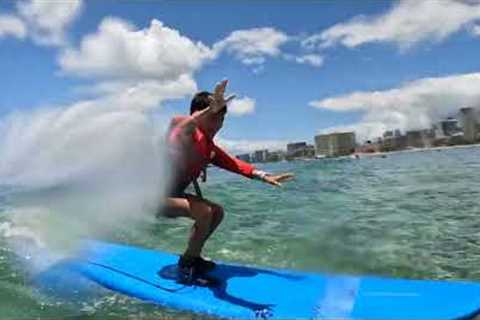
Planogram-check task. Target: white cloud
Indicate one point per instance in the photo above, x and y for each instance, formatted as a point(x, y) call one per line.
point(136, 69)
point(47, 21)
point(241, 106)
point(311, 59)
point(13, 26)
point(247, 146)
point(144, 95)
point(251, 46)
point(414, 105)
point(118, 50)
point(407, 23)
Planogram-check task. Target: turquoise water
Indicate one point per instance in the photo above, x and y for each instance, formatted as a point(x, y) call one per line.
point(412, 215)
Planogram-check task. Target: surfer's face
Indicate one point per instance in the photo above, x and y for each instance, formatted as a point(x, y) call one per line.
point(215, 122)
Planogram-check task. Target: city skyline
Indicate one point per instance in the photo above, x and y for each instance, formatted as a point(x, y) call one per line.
point(446, 132)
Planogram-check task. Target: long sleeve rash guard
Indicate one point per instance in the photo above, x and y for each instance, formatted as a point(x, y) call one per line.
point(192, 156)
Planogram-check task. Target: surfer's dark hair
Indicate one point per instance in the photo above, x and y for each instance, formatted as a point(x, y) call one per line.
point(200, 101)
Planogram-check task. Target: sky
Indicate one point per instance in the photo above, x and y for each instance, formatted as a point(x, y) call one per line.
point(298, 68)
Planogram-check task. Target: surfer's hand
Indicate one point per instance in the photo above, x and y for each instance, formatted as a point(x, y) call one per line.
point(217, 100)
point(276, 180)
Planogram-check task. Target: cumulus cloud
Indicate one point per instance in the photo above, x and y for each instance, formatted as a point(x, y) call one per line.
point(10, 25)
point(247, 146)
point(119, 50)
point(47, 21)
point(414, 105)
point(241, 106)
point(145, 95)
point(251, 46)
point(139, 67)
point(407, 23)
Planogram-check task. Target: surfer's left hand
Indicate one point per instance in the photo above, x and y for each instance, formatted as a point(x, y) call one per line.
point(217, 100)
point(276, 179)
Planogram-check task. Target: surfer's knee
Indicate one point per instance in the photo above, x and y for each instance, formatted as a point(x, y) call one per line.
point(203, 212)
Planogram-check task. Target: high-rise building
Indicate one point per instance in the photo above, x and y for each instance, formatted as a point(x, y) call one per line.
point(244, 157)
point(296, 149)
point(300, 150)
point(470, 124)
point(449, 127)
point(416, 139)
point(393, 143)
point(322, 145)
point(292, 147)
point(260, 156)
point(392, 140)
point(309, 151)
point(335, 144)
point(420, 138)
point(276, 156)
point(387, 134)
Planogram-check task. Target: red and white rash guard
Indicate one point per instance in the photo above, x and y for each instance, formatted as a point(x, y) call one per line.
point(190, 158)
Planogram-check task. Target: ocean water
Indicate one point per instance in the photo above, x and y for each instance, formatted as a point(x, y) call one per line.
point(409, 214)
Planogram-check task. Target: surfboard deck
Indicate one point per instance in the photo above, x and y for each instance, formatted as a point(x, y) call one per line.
point(235, 291)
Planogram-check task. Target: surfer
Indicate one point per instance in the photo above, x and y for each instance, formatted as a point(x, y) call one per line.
point(192, 148)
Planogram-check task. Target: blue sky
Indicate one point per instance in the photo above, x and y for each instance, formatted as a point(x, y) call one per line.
point(299, 68)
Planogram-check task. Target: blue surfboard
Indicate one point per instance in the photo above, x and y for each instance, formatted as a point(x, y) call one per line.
point(236, 291)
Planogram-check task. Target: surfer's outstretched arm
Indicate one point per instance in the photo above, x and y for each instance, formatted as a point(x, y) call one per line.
point(275, 179)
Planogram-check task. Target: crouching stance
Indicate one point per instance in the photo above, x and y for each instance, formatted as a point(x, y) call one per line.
point(192, 148)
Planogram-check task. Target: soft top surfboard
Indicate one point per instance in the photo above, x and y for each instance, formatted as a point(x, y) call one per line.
point(235, 291)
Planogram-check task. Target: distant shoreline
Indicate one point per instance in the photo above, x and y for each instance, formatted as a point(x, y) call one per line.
point(357, 155)
point(463, 146)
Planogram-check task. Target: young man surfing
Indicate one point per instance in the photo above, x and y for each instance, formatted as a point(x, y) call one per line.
point(192, 149)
